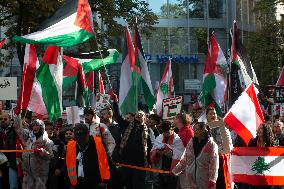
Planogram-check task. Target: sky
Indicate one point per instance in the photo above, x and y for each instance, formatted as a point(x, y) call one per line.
point(156, 4)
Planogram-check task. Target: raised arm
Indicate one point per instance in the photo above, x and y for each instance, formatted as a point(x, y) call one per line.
point(187, 159)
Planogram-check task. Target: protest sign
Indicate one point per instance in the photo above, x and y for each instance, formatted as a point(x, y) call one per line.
point(8, 88)
point(103, 101)
point(171, 107)
point(73, 115)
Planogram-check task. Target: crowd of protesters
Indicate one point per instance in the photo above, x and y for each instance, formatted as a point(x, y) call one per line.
point(86, 155)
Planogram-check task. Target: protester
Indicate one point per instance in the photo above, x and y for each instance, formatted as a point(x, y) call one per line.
point(86, 160)
point(129, 116)
point(36, 164)
point(200, 160)
point(182, 122)
point(99, 129)
point(154, 123)
point(264, 138)
point(278, 133)
point(107, 119)
point(222, 137)
point(68, 134)
point(196, 113)
point(8, 141)
point(165, 154)
point(55, 176)
point(135, 147)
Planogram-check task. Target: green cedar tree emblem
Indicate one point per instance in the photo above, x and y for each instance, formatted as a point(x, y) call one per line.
point(164, 88)
point(260, 166)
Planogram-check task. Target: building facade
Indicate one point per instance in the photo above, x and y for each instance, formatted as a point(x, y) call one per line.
point(182, 33)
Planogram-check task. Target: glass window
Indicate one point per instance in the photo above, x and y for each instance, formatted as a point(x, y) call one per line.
point(195, 8)
point(217, 8)
point(238, 10)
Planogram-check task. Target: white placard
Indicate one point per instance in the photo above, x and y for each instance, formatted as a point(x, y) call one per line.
point(73, 115)
point(171, 107)
point(103, 101)
point(8, 88)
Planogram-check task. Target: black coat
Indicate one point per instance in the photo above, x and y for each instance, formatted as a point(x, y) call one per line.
point(8, 142)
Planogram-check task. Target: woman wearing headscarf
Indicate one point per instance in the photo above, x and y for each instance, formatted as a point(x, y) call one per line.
point(35, 164)
point(200, 161)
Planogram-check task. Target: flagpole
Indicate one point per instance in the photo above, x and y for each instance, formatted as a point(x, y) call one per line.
point(136, 67)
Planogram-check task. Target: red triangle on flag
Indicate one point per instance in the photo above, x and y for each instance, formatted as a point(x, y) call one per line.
point(51, 55)
point(84, 16)
point(280, 81)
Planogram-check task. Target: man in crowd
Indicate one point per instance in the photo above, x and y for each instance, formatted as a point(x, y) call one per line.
point(55, 176)
point(182, 122)
point(8, 140)
point(278, 133)
point(222, 137)
point(165, 154)
point(107, 119)
point(136, 144)
point(154, 123)
point(99, 129)
point(86, 160)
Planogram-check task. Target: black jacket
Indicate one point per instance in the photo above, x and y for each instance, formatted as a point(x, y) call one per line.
point(133, 152)
point(92, 176)
point(8, 142)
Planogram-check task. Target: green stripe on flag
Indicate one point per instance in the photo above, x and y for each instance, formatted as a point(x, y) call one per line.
point(65, 40)
point(98, 63)
point(149, 98)
point(49, 91)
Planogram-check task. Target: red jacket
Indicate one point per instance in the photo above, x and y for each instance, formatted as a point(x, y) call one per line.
point(185, 134)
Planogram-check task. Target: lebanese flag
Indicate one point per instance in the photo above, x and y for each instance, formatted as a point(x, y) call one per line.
point(258, 166)
point(165, 88)
point(101, 84)
point(2, 42)
point(28, 76)
point(245, 115)
point(70, 25)
point(280, 81)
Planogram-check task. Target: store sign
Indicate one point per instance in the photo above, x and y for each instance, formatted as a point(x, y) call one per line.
point(279, 95)
point(8, 88)
point(175, 59)
point(192, 84)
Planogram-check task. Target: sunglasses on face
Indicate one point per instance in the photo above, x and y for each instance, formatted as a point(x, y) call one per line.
point(5, 119)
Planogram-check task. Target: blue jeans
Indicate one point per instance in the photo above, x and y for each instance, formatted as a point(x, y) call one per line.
point(13, 178)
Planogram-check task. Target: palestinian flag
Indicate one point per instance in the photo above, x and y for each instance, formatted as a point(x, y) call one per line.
point(245, 115)
point(73, 67)
point(258, 166)
point(41, 91)
point(214, 88)
point(129, 78)
point(242, 72)
point(145, 76)
point(70, 25)
point(89, 65)
point(165, 87)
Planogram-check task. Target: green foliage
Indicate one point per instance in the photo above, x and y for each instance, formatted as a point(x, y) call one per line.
point(260, 166)
point(266, 45)
point(172, 11)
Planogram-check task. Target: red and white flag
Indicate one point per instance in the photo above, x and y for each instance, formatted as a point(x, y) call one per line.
point(101, 83)
point(165, 88)
point(245, 115)
point(258, 166)
point(29, 73)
